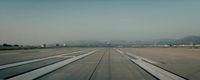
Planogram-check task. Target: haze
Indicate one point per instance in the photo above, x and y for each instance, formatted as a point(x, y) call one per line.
point(37, 22)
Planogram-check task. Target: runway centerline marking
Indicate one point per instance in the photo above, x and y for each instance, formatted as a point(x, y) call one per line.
point(152, 69)
point(34, 60)
point(42, 71)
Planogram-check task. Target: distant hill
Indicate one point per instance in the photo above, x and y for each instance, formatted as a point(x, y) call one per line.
point(189, 40)
point(186, 40)
point(182, 41)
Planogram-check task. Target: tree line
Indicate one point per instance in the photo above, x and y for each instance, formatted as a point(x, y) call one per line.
point(10, 45)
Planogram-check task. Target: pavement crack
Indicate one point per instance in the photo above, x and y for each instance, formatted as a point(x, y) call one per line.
point(95, 68)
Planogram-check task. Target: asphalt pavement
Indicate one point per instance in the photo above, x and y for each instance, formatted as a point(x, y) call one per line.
point(99, 64)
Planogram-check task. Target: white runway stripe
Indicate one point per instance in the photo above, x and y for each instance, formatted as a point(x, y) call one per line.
point(34, 60)
point(154, 70)
point(42, 71)
point(142, 58)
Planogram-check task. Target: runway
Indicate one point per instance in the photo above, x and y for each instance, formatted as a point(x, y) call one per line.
point(84, 64)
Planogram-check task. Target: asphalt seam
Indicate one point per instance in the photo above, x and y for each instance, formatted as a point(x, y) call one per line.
point(95, 68)
point(109, 66)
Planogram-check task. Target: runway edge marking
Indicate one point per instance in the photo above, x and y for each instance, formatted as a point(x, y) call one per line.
point(152, 69)
point(42, 71)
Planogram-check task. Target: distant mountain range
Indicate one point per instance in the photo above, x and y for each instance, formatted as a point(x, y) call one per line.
point(189, 40)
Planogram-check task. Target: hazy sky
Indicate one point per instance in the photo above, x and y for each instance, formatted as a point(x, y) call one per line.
point(51, 21)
